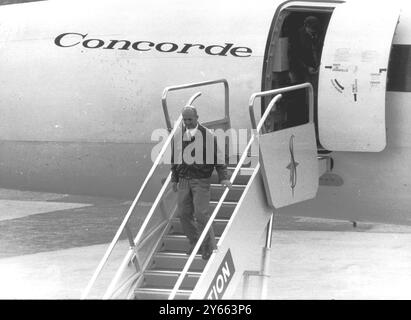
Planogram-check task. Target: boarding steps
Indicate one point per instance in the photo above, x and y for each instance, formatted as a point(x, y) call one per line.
point(170, 256)
point(156, 266)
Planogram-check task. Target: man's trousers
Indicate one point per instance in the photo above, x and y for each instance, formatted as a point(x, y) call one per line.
point(193, 208)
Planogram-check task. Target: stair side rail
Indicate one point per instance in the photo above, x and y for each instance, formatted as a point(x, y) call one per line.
point(257, 128)
point(220, 202)
point(254, 96)
point(194, 85)
point(130, 211)
point(172, 131)
point(150, 174)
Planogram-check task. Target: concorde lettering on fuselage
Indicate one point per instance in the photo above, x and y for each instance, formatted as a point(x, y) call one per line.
point(75, 39)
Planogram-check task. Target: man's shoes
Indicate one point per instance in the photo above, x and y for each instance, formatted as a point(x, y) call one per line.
point(207, 252)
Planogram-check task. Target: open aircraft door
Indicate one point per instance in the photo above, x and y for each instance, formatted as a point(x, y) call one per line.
point(288, 157)
point(353, 76)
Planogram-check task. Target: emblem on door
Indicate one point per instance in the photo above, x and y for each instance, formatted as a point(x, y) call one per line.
point(292, 166)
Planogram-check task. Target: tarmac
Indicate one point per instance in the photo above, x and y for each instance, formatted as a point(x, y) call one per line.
point(50, 245)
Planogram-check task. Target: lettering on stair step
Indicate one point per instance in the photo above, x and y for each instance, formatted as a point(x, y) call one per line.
point(222, 278)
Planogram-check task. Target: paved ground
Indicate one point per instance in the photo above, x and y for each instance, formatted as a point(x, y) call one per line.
point(50, 245)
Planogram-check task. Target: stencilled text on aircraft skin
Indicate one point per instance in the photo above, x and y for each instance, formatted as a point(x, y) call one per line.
point(72, 39)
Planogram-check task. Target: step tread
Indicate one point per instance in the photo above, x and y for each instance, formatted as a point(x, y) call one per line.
point(220, 220)
point(170, 254)
point(180, 236)
point(235, 186)
point(228, 203)
point(176, 252)
point(154, 272)
point(161, 290)
point(242, 168)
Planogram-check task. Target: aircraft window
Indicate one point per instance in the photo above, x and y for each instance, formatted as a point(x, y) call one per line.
point(399, 69)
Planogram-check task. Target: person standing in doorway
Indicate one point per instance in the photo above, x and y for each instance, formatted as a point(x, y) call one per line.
point(305, 52)
point(305, 57)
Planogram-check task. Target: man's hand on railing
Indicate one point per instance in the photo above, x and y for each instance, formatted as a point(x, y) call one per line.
point(175, 189)
point(226, 183)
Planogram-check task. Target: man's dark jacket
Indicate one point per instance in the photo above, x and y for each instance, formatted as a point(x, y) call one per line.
point(304, 52)
point(204, 169)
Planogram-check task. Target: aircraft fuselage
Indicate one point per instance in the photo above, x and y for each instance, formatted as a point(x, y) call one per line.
point(81, 97)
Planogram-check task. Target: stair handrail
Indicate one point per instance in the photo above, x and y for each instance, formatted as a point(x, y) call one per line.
point(257, 128)
point(254, 96)
point(194, 85)
point(138, 240)
point(220, 202)
point(131, 209)
point(155, 164)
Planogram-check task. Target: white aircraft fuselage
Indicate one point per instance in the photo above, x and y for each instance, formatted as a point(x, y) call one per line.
point(81, 86)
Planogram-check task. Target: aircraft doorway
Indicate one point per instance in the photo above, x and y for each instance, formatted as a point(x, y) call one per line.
point(281, 67)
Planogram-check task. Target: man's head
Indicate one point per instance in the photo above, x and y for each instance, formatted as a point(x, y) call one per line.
point(190, 117)
point(312, 26)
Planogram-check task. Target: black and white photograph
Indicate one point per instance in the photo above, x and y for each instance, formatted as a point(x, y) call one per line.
point(205, 150)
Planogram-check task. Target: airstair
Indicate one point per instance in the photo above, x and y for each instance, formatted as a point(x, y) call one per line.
point(170, 256)
point(152, 251)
